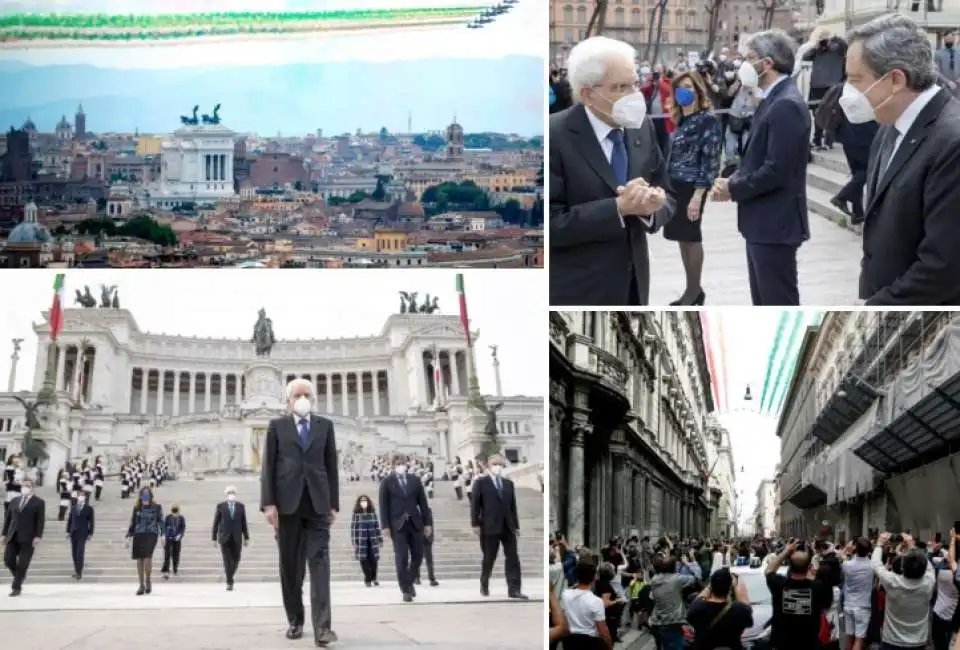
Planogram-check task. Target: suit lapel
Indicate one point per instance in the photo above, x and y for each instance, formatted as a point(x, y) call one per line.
point(585, 139)
point(290, 427)
point(313, 433)
point(911, 141)
point(637, 154)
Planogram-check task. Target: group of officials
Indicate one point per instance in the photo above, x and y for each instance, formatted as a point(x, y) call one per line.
point(300, 498)
point(610, 180)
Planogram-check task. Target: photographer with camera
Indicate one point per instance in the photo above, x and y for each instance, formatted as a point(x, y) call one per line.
point(828, 54)
point(798, 600)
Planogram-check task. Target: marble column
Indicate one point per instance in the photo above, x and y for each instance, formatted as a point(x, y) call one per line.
point(238, 389)
point(176, 394)
point(144, 389)
point(329, 404)
point(192, 405)
point(423, 394)
point(61, 364)
point(455, 373)
point(581, 428)
point(360, 394)
point(344, 393)
point(376, 392)
point(557, 420)
point(206, 392)
point(161, 381)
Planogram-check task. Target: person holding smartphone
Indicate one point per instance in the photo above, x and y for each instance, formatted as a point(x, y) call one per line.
point(721, 613)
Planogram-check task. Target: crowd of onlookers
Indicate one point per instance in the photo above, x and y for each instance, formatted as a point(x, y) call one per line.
point(884, 590)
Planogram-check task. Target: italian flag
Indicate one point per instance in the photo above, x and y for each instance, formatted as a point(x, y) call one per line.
point(464, 319)
point(56, 312)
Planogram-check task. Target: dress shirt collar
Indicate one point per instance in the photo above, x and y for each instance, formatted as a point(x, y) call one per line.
point(600, 128)
point(765, 92)
point(912, 112)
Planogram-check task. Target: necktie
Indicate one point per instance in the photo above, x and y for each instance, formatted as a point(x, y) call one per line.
point(953, 59)
point(619, 158)
point(499, 485)
point(304, 432)
point(231, 506)
point(403, 483)
point(886, 152)
point(23, 503)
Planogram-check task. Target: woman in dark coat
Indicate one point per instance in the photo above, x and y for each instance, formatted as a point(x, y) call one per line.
point(146, 526)
point(367, 538)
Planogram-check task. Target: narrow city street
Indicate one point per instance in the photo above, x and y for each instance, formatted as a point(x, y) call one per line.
point(829, 263)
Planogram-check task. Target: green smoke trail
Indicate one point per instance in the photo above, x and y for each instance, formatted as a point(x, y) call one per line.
point(789, 358)
point(773, 352)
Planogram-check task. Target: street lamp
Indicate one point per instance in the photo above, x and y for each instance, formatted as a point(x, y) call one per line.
point(747, 396)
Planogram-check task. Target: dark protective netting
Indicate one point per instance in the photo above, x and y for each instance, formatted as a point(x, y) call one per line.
point(927, 500)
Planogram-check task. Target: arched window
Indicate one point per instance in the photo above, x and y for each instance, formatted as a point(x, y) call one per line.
point(635, 17)
point(618, 16)
point(582, 15)
point(568, 14)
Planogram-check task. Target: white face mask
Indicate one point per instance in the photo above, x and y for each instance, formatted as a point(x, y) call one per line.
point(400, 469)
point(748, 75)
point(81, 500)
point(856, 105)
point(496, 469)
point(25, 491)
point(723, 57)
point(364, 504)
point(630, 110)
point(729, 75)
point(645, 71)
point(231, 498)
point(737, 62)
point(301, 406)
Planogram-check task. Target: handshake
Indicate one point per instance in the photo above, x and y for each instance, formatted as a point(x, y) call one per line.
point(638, 199)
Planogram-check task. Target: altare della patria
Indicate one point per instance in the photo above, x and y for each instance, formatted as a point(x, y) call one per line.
point(107, 388)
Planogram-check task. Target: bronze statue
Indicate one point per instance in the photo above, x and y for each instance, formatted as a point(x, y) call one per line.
point(107, 293)
point(429, 306)
point(30, 410)
point(263, 338)
point(214, 119)
point(85, 299)
point(490, 428)
point(408, 302)
point(191, 121)
point(116, 300)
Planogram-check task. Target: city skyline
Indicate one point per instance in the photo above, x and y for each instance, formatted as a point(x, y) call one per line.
point(223, 304)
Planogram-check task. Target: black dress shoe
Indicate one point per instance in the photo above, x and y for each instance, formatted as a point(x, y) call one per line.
point(434, 583)
point(14, 593)
point(408, 598)
point(230, 587)
point(141, 590)
point(325, 638)
point(149, 588)
point(484, 590)
point(516, 595)
point(295, 631)
point(416, 581)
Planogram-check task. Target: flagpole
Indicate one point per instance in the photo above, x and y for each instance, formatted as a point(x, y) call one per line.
point(48, 392)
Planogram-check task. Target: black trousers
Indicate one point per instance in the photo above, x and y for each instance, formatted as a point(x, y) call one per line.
point(62, 513)
point(940, 633)
point(428, 557)
point(304, 542)
point(16, 557)
point(407, 554)
point(230, 551)
point(816, 94)
point(491, 544)
point(773, 275)
point(857, 159)
point(78, 549)
point(97, 491)
point(171, 556)
point(368, 564)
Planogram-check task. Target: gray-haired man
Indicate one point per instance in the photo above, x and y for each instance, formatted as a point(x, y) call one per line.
point(300, 496)
point(230, 532)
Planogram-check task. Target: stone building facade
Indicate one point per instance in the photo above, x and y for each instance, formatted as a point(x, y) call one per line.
point(869, 424)
point(629, 398)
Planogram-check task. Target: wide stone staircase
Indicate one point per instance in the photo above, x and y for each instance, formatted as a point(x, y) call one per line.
point(826, 175)
point(456, 550)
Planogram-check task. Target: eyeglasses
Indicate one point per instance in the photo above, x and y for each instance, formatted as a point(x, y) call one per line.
point(621, 89)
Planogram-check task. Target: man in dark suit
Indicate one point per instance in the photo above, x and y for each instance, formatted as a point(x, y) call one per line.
point(300, 496)
point(609, 185)
point(770, 187)
point(80, 524)
point(230, 532)
point(910, 236)
point(493, 515)
point(21, 533)
point(406, 519)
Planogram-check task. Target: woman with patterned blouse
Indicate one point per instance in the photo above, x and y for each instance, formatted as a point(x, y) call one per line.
point(693, 164)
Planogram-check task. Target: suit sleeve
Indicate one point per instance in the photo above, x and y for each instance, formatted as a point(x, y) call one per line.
point(268, 468)
point(70, 521)
point(513, 505)
point(6, 521)
point(243, 523)
point(476, 505)
point(659, 177)
point(573, 225)
point(133, 521)
point(333, 469)
point(216, 522)
point(787, 135)
point(937, 265)
point(41, 516)
point(384, 499)
point(93, 515)
point(425, 511)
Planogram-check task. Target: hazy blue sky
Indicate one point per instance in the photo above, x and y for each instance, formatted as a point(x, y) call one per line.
point(507, 307)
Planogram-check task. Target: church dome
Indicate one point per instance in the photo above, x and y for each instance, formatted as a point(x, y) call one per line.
point(29, 125)
point(63, 124)
point(29, 233)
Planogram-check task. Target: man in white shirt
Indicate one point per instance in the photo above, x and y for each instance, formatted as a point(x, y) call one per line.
point(585, 612)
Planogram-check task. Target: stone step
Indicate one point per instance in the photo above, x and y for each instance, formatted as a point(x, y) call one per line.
point(818, 201)
point(826, 179)
point(833, 160)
